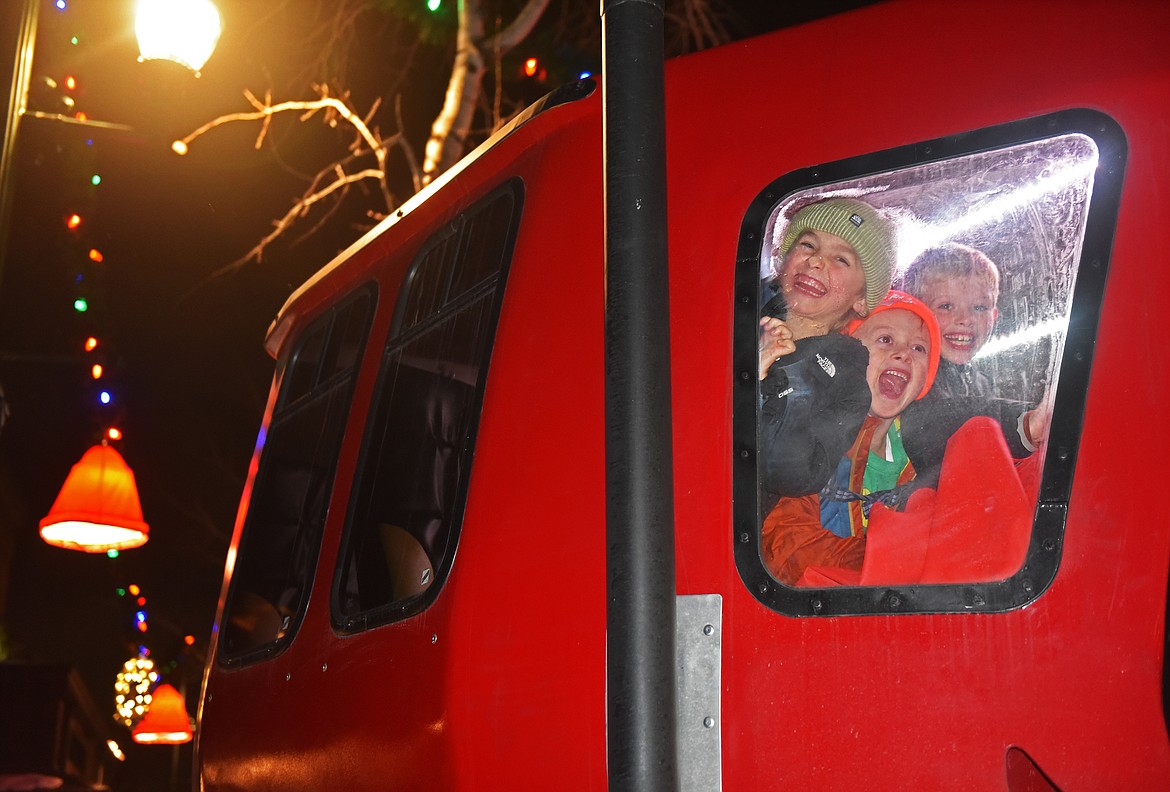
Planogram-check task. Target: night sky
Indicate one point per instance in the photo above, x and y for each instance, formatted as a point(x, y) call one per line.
point(183, 354)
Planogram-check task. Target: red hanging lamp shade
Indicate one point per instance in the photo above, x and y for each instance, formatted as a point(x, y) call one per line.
point(166, 722)
point(97, 509)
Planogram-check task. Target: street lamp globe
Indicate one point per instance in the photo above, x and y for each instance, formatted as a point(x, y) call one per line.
point(183, 31)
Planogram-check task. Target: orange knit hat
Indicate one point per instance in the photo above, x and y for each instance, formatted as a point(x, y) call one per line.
point(896, 300)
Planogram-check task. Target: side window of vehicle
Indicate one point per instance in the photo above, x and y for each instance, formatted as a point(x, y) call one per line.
point(407, 505)
point(278, 549)
point(913, 335)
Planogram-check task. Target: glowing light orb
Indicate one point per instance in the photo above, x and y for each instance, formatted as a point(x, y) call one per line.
point(183, 31)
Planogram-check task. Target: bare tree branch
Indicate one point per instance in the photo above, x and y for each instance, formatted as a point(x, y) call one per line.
point(367, 142)
point(521, 26)
point(333, 26)
point(298, 210)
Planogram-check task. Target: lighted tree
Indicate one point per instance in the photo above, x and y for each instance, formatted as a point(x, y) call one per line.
point(484, 34)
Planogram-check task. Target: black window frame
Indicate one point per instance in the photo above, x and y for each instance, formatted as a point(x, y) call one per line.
point(401, 333)
point(287, 404)
point(1044, 552)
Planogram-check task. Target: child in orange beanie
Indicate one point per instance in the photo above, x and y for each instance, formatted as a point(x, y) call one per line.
point(902, 338)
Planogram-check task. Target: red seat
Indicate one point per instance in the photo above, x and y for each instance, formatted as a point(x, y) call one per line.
point(974, 529)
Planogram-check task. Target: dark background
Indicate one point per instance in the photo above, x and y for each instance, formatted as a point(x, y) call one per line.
point(183, 352)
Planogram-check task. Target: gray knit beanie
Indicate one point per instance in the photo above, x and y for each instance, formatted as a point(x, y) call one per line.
point(859, 224)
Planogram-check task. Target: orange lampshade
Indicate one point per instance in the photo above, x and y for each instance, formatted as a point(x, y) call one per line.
point(97, 509)
point(166, 722)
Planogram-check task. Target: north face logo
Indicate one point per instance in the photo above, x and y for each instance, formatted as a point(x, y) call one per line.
point(856, 219)
point(827, 365)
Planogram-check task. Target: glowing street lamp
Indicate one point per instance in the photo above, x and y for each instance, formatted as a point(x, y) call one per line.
point(97, 509)
point(183, 31)
point(166, 722)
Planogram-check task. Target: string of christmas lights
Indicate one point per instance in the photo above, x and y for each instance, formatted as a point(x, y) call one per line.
point(85, 261)
point(86, 268)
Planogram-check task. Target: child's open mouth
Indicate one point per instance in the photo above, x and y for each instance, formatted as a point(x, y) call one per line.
point(892, 383)
point(960, 340)
point(810, 286)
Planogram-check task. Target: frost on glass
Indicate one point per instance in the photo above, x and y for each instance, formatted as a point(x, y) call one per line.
point(1025, 208)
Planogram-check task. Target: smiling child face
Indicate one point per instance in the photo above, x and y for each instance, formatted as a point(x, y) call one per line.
point(822, 279)
point(899, 358)
point(965, 308)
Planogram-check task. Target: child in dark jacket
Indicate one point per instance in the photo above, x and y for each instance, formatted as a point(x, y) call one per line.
point(961, 286)
point(901, 338)
point(836, 260)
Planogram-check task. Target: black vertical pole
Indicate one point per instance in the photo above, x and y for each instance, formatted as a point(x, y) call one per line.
point(640, 674)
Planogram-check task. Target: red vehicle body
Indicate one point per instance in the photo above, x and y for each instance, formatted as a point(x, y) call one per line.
point(497, 680)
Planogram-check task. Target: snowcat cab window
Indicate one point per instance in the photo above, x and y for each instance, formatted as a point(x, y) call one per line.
point(912, 450)
point(408, 498)
point(278, 548)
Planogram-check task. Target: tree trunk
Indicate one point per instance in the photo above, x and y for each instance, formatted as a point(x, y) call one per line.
point(452, 126)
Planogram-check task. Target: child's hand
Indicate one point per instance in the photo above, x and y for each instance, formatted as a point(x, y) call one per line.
point(1037, 421)
point(775, 342)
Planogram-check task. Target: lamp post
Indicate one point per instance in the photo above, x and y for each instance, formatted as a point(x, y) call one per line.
point(17, 105)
